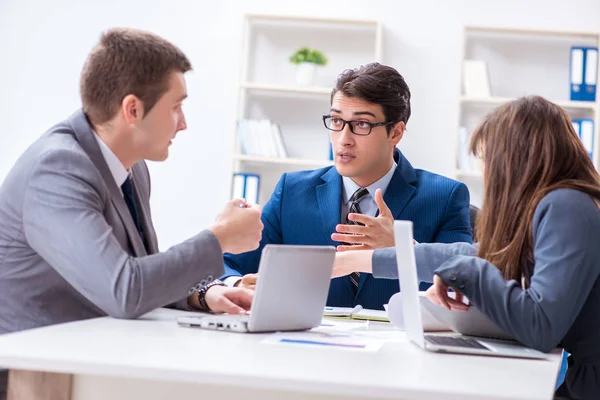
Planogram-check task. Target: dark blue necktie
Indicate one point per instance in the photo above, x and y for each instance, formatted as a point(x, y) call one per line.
point(129, 196)
point(356, 198)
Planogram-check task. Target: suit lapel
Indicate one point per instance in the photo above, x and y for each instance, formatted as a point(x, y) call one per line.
point(329, 198)
point(402, 187)
point(86, 139)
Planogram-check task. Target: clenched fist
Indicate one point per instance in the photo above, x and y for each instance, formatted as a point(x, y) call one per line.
point(238, 227)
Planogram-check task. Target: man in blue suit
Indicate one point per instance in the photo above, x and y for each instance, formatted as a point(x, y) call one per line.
point(354, 204)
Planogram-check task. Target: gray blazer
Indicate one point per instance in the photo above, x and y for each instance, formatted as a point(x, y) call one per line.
point(69, 249)
point(562, 305)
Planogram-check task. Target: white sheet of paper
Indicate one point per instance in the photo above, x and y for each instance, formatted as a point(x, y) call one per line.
point(394, 308)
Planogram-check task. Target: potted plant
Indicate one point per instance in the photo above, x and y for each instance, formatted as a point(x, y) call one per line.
point(307, 61)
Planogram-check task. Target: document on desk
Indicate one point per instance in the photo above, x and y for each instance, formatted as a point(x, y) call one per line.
point(345, 342)
point(396, 315)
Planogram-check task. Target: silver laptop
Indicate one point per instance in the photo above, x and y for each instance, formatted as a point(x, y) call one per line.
point(462, 344)
point(290, 294)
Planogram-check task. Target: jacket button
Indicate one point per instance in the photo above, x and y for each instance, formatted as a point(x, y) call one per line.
point(453, 278)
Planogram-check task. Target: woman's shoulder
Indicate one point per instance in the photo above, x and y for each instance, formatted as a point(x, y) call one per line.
point(568, 206)
point(568, 197)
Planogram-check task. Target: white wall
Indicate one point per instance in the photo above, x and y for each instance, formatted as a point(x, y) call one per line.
point(43, 45)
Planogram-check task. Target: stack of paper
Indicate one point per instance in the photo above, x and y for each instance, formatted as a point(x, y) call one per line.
point(394, 309)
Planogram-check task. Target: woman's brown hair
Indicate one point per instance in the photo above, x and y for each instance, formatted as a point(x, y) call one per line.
point(529, 148)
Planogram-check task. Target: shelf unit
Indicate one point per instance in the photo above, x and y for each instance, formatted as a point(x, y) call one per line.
point(285, 161)
point(286, 89)
point(497, 101)
point(267, 88)
point(519, 62)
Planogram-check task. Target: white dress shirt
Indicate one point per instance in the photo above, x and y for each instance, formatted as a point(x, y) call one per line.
point(117, 170)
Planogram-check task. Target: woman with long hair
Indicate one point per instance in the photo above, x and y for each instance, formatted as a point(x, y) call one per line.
point(534, 270)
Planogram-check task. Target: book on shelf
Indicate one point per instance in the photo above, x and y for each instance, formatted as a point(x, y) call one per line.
point(261, 138)
point(476, 81)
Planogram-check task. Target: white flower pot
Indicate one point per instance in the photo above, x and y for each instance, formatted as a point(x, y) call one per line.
point(305, 73)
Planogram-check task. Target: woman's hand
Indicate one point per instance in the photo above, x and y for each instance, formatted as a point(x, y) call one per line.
point(438, 294)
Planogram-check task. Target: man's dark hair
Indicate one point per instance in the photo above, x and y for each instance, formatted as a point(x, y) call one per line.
point(378, 84)
point(127, 61)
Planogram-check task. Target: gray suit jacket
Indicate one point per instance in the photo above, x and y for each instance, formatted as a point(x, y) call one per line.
point(69, 249)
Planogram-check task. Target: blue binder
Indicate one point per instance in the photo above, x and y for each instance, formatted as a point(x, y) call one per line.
point(590, 74)
point(246, 186)
point(576, 72)
point(586, 133)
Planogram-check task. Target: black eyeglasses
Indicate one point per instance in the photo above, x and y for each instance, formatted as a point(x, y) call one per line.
point(360, 128)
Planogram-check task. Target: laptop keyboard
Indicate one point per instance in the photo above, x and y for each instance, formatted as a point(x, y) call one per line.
point(455, 342)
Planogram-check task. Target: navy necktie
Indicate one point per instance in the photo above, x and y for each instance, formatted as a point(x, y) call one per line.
point(356, 198)
point(129, 196)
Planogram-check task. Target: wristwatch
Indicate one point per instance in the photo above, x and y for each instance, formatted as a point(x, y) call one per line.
point(202, 293)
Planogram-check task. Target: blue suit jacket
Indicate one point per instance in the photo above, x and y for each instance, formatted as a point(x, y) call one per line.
point(306, 206)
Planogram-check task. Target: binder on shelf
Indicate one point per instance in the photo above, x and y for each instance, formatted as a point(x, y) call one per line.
point(265, 132)
point(256, 139)
point(586, 133)
point(246, 186)
point(576, 72)
point(280, 145)
point(243, 130)
point(590, 74)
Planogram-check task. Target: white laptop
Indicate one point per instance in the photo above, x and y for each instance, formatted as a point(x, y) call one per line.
point(409, 286)
point(290, 294)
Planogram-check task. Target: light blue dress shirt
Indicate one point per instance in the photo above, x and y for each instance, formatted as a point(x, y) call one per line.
point(367, 205)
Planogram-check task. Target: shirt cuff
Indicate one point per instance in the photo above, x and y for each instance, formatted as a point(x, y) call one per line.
point(232, 280)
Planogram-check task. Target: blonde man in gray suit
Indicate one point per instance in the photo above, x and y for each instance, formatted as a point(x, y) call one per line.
point(76, 234)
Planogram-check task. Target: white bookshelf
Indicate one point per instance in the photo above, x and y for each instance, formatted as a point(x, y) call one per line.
point(302, 162)
point(286, 89)
point(267, 88)
point(519, 62)
point(496, 101)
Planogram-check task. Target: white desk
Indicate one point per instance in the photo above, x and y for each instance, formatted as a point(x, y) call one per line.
point(153, 358)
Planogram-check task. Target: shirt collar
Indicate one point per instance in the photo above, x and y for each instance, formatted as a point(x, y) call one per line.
point(117, 170)
point(350, 187)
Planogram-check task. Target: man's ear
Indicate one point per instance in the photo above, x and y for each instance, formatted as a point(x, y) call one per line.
point(132, 108)
point(397, 132)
